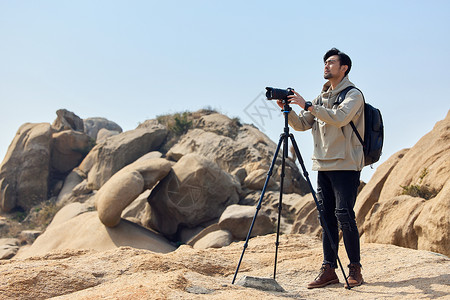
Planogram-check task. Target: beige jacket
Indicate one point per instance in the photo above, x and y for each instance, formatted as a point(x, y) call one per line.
point(336, 146)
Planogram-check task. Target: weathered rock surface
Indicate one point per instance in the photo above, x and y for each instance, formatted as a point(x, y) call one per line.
point(126, 185)
point(68, 150)
point(117, 151)
point(413, 203)
point(196, 191)
point(93, 125)
point(8, 247)
point(219, 139)
point(187, 273)
point(237, 219)
point(214, 239)
point(67, 120)
point(24, 172)
point(85, 231)
point(103, 134)
point(370, 194)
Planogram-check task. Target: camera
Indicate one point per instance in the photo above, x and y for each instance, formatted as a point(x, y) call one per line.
point(278, 94)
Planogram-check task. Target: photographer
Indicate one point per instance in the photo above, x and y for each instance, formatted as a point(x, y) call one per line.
point(338, 157)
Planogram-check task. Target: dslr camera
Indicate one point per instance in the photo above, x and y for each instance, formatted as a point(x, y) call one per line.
point(278, 94)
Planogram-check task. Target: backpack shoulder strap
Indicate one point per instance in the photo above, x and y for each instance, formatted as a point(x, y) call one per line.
point(341, 98)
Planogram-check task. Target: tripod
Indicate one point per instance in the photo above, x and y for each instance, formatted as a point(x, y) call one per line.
point(284, 140)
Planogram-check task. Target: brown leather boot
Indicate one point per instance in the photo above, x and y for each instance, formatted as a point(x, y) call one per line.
point(326, 276)
point(354, 277)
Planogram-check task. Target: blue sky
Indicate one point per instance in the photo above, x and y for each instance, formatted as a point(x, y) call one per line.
point(129, 61)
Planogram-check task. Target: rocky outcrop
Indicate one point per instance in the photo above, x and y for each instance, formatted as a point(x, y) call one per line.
point(187, 273)
point(8, 247)
point(24, 172)
point(118, 151)
point(68, 150)
point(232, 146)
point(92, 126)
point(85, 231)
point(370, 194)
point(196, 191)
point(413, 203)
point(126, 185)
point(237, 219)
point(67, 120)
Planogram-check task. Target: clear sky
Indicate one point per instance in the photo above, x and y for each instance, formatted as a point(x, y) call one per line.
point(129, 61)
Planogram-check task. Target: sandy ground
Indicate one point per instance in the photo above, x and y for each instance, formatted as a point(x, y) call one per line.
point(390, 272)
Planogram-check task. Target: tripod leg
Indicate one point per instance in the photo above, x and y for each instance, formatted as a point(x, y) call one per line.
point(280, 202)
point(319, 206)
point(258, 207)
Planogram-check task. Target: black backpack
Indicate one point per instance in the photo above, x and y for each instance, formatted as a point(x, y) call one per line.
point(374, 129)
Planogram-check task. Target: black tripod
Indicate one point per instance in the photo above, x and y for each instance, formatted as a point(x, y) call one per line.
point(284, 139)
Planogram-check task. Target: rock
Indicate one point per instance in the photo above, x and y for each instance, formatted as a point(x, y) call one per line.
point(69, 149)
point(8, 248)
point(257, 178)
point(118, 192)
point(187, 273)
point(118, 151)
point(67, 120)
point(292, 203)
point(29, 235)
point(71, 181)
point(433, 223)
point(389, 224)
point(238, 218)
point(426, 164)
point(369, 195)
point(215, 239)
point(92, 126)
point(196, 191)
point(137, 208)
point(414, 187)
point(248, 146)
point(203, 233)
point(259, 283)
point(24, 172)
point(219, 124)
point(103, 134)
point(68, 212)
point(85, 231)
point(307, 217)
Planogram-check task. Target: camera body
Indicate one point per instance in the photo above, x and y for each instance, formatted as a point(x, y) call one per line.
point(278, 94)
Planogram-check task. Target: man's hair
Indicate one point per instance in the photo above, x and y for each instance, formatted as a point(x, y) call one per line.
point(343, 58)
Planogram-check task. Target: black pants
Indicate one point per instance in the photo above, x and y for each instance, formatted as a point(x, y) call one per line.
point(337, 191)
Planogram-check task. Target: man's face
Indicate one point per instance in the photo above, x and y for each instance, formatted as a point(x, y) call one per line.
point(333, 68)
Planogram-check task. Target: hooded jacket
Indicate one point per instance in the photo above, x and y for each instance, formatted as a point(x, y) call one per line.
point(336, 146)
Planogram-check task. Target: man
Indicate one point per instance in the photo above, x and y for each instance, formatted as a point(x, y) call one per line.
point(338, 157)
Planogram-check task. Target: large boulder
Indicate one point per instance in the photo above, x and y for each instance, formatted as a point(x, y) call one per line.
point(24, 172)
point(69, 149)
point(118, 151)
point(196, 191)
point(412, 207)
point(237, 219)
point(71, 181)
point(8, 247)
point(392, 222)
point(67, 120)
point(432, 226)
point(307, 217)
point(126, 185)
point(370, 194)
point(246, 146)
point(93, 125)
point(85, 231)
